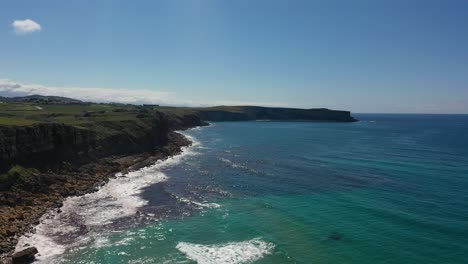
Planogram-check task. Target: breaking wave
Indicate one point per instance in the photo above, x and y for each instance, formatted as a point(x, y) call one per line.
point(229, 253)
point(83, 218)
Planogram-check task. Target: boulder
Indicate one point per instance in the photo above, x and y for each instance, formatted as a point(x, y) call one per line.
point(25, 255)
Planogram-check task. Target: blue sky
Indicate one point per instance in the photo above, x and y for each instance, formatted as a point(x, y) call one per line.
point(364, 56)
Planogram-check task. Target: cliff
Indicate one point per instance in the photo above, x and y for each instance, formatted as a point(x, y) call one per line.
point(46, 144)
point(245, 113)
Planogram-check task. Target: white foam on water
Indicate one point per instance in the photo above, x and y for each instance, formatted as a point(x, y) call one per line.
point(239, 166)
point(201, 205)
point(46, 245)
point(125, 241)
point(207, 205)
point(233, 164)
point(229, 253)
point(83, 216)
point(101, 241)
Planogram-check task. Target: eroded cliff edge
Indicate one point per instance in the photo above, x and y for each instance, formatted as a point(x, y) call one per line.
point(43, 163)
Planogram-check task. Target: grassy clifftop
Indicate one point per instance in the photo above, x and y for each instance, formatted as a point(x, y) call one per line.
point(37, 134)
point(89, 115)
point(84, 115)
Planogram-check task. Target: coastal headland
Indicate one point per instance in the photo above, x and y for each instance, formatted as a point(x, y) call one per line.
point(54, 147)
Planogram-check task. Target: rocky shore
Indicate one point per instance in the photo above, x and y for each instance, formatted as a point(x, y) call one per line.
point(25, 202)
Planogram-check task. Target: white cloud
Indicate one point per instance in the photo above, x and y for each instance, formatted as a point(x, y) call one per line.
point(10, 88)
point(22, 27)
point(244, 103)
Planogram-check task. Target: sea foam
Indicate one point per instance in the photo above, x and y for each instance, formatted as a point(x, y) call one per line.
point(83, 218)
point(229, 253)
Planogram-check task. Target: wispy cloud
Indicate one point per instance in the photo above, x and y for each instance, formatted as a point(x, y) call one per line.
point(243, 103)
point(22, 27)
point(10, 88)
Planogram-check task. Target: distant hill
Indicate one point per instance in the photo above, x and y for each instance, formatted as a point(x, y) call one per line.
point(246, 113)
point(41, 99)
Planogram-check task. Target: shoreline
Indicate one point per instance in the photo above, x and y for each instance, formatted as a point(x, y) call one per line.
point(92, 176)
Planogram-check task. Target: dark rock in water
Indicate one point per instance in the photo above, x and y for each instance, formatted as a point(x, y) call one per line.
point(335, 236)
point(24, 256)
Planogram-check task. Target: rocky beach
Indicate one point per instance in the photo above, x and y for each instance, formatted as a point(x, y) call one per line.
point(25, 202)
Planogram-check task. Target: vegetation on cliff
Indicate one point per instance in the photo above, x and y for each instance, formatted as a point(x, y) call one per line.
point(247, 113)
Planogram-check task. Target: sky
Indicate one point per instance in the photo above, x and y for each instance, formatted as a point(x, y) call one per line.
point(375, 56)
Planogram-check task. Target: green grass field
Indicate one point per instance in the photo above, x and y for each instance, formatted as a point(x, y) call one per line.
point(24, 114)
point(90, 114)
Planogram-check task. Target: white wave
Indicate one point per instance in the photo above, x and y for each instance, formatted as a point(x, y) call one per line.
point(236, 165)
point(87, 214)
point(46, 246)
point(125, 241)
point(207, 205)
point(204, 205)
point(230, 162)
point(240, 166)
point(229, 253)
point(197, 127)
point(101, 241)
point(193, 140)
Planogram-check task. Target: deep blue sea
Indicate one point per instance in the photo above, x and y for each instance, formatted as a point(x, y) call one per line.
point(388, 189)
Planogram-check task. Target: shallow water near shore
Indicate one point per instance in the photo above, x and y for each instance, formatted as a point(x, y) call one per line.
point(387, 189)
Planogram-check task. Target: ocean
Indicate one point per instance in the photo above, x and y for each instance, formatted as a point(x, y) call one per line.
point(387, 189)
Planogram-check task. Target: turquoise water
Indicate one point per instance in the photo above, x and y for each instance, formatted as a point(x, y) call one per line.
point(388, 189)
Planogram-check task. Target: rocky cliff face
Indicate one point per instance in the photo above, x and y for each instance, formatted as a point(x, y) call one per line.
point(43, 163)
point(44, 145)
point(33, 144)
point(185, 121)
